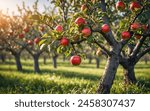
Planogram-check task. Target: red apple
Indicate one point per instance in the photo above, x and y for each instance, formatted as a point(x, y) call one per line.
point(30, 42)
point(59, 28)
point(26, 30)
point(125, 35)
point(120, 5)
point(21, 36)
point(138, 36)
point(135, 26)
point(64, 41)
point(105, 28)
point(80, 21)
point(36, 40)
point(145, 27)
point(86, 32)
point(83, 7)
point(135, 6)
point(75, 60)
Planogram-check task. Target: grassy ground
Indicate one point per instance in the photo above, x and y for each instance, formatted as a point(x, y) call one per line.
point(66, 78)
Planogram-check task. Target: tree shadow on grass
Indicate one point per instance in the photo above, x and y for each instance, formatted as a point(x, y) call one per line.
point(65, 74)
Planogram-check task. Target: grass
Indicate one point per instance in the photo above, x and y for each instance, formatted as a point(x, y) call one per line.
point(66, 78)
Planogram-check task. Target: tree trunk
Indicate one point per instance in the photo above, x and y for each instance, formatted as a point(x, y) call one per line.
point(109, 75)
point(44, 59)
point(129, 75)
point(97, 62)
point(2, 57)
point(36, 63)
point(90, 60)
point(54, 61)
point(64, 58)
point(18, 62)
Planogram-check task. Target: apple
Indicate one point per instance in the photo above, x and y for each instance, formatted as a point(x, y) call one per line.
point(105, 28)
point(120, 5)
point(26, 30)
point(125, 35)
point(80, 21)
point(138, 36)
point(41, 28)
point(59, 28)
point(64, 41)
point(21, 36)
point(86, 32)
point(98, 52)
point(36, 40)
point(135, 26)
point(30, 42)
point(145, 27)
point(83, 7)
point(135, 6)
point(75, 60)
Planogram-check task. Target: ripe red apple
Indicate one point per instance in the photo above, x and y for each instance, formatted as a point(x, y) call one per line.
point(83, 7)
point(59, 28)
point(30, 42)
point(135, 6)
point(64, 41)
point(86, 32)
point(105, 28)
point(120, 5)
point(26, 30)
point(75, 60)
point(138, 36)
point(80, 21)
point(21, 36)
point(125, 35)
point(36, 40)
point(135, 26)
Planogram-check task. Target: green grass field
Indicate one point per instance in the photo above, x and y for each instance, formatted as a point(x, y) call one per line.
point(66, 78)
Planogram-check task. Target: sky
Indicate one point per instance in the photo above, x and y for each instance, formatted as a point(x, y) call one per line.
point(11, 4)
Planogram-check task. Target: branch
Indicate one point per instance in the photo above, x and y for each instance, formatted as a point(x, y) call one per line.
point(124, 42)
point(138, 46)
point(142, 54)
point(109, 36)
point(29, 51)
point(79, 41)
point(102, 47)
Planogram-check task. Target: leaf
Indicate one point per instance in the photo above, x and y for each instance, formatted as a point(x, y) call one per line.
point(35, 17)
point(42, 42)
point(42, 46)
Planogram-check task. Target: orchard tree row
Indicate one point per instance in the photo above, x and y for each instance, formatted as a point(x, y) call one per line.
point(119, 29)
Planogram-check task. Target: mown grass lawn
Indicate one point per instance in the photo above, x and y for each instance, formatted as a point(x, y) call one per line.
point(66, 78)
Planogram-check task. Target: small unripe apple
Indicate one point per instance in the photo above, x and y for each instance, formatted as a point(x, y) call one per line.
point(59, 28)
point(120, 5)
point(86, 32)
point(36, 40)
point(99, 52)
point(135, 6)
point(75, 60)
point(30, 42)
point(135, 26)
point(125, 35)
point(80, 21)
point(64, 41)
point(138, 36)
point(83, 7)
point(105, 28)
point(21, 36)
point(26, 30)
point(42, 28)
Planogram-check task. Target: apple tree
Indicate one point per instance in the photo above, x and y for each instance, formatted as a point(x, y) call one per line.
point(109, 25)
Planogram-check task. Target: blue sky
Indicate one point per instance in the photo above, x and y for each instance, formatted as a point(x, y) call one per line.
point(11, 4)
